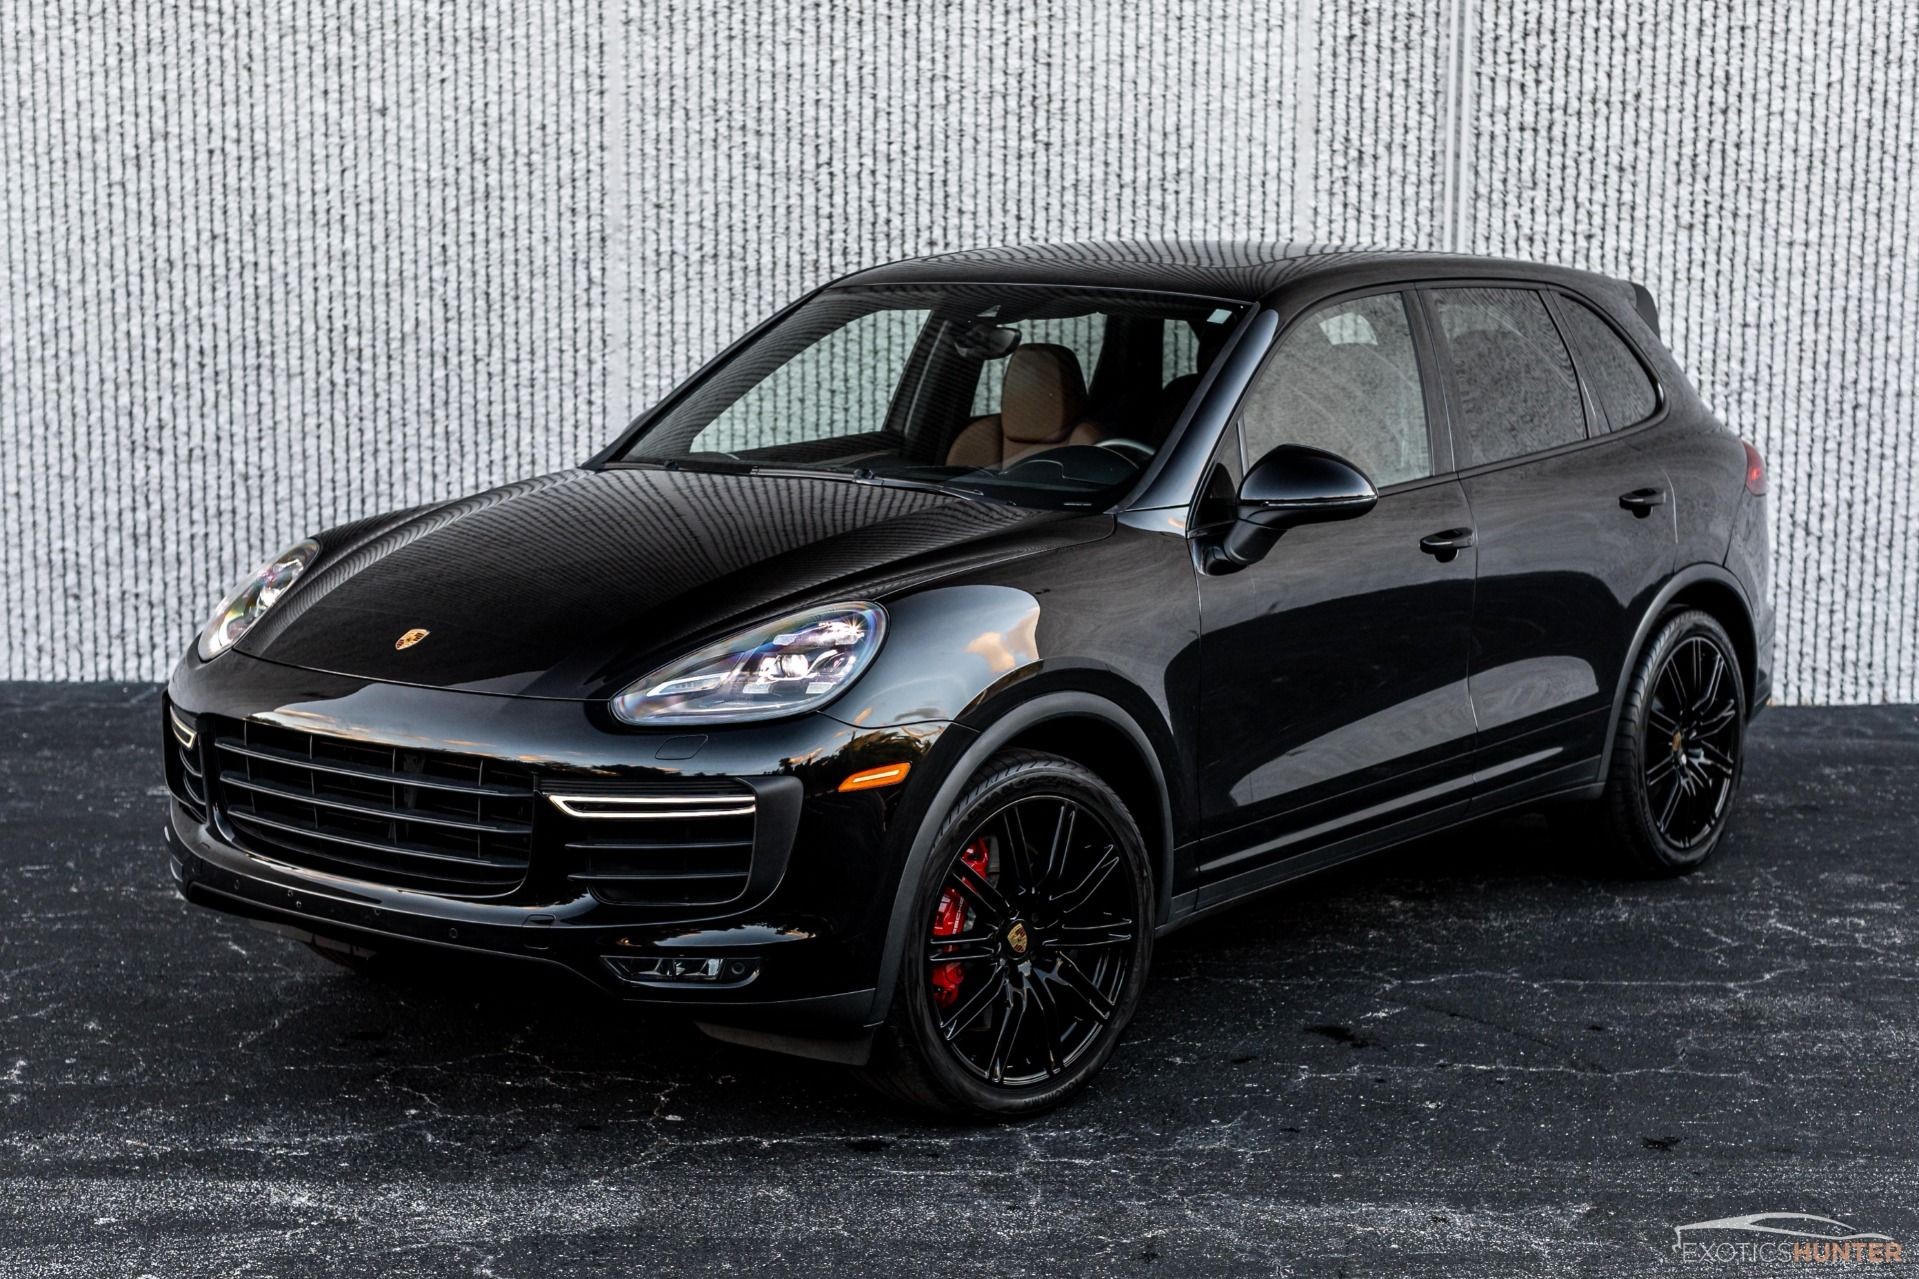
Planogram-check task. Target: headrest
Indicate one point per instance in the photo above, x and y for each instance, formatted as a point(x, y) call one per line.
point(1044, 394)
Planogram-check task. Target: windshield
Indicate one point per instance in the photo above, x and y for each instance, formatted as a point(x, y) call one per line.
point(1038, 395)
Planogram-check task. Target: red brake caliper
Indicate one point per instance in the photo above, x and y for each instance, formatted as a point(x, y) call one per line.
point(949, 920)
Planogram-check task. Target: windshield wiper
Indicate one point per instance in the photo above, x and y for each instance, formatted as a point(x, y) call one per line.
point(697, 465)
point(866, 475)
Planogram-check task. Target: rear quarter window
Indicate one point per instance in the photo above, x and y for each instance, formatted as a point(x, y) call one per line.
point(1620, 382)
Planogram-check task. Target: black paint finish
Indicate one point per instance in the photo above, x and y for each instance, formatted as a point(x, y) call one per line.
point(1457, 648)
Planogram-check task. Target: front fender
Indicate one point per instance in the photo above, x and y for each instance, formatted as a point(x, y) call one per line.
point(960, 754)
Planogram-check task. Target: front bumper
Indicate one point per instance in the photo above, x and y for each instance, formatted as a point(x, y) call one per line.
point(798, 955)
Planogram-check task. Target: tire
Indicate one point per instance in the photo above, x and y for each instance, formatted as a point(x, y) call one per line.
point(1679, 750)
point(1051, 945)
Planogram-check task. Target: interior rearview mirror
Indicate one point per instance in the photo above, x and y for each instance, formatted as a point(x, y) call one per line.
point(983, 341)
point(1290, 486)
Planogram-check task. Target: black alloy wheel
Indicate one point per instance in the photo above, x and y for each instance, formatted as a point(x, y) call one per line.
point(1679, 749)
point(1030, 940)
point(1691, 757)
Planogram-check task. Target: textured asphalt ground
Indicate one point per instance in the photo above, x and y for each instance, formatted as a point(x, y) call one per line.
point(1478, 1055)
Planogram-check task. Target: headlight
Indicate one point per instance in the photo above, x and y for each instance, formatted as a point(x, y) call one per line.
point(246, 602)
point(797, 663)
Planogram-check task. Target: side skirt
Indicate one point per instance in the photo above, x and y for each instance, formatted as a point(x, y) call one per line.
point(1210, 899)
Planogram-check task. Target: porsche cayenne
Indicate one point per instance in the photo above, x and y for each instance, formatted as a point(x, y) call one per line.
point(885, 691)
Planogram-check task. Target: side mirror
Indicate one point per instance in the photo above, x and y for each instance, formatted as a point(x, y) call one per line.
point(1290, 486)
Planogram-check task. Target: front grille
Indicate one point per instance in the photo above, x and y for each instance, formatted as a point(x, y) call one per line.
point(454, 825)
point(672, 844)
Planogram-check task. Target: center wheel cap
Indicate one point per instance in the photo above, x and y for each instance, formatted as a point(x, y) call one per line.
point(1017, 939)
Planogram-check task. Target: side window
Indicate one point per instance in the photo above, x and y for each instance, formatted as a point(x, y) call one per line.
point(841, 385)
point(1079, 334)
point(1345, 379)
point(1618, 378)
point(1514, 380)
point(1179, 350)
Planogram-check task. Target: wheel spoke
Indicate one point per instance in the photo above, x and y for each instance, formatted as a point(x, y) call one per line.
point(1715, 676)
point(1019, 851)
point(988, 899)
point(1662, 723)
point(1048, 1022)
point(1669, 675)
point(953, 952)
point(1080, 894)
point(970, 937)
point(1718, 719)
point(1661, 768)
point(1011, 1023)
point(1062, 841)
point(1718, 759)
point(1089, 995)
point(971, 1007)
point(1114, 932)
point(1672, 803)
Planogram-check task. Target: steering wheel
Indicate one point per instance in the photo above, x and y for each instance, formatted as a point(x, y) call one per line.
point(1132, 450)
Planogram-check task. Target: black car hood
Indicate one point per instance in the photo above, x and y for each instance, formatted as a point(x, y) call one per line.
point(574, 584)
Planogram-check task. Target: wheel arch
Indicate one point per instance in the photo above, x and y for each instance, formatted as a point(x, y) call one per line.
point(1085, 727)
point(1713, 590)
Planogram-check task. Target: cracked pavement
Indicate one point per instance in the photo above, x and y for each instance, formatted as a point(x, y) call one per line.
point(1479, 1054)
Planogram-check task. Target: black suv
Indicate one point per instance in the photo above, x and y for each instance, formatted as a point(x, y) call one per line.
point(884, 692)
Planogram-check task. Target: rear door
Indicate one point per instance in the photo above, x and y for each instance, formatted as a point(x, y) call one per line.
point(1575, 533)
point(1333, 686)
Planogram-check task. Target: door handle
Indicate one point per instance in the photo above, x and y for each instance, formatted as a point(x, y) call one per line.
point(1446, 544)
point(1641, 501)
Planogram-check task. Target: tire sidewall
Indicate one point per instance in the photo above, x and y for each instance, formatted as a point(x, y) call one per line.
point(1006, 779)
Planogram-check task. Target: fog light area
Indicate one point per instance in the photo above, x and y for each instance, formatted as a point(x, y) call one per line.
point(673, 970)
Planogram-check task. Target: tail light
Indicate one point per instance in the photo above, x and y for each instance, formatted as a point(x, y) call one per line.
point(1755, 471)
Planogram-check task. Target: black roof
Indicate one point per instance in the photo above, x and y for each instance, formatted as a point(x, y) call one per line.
point(1217, 268)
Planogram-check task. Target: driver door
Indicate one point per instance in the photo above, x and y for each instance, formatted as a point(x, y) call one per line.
point(1333, 695)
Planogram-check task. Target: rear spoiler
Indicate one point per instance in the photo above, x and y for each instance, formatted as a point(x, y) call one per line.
point(1647, 308)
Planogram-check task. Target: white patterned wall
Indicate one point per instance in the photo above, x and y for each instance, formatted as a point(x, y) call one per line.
point(269, 267)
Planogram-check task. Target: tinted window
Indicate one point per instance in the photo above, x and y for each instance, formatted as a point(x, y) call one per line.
point(1179, 351)
point(839, 385)
point(1345, 379)
point(1080, 334)
point(981, 389)
point(1515, 383)
point(1617, 377)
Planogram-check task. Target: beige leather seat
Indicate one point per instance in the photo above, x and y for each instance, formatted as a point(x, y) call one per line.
point(1042, 405)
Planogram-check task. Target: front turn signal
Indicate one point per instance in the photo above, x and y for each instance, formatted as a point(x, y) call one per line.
point(874, 778)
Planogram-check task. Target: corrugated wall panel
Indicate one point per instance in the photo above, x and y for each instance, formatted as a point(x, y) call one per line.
point(774, 145)
point(268, 268)
point(271, 267)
